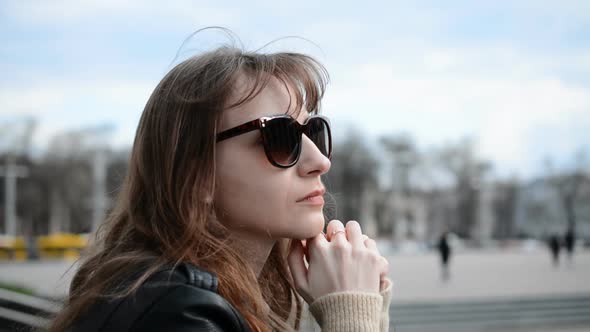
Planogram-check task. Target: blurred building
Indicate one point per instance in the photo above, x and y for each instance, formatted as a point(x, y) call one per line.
point(503, 210)
point(60, 195)
point(540, 210)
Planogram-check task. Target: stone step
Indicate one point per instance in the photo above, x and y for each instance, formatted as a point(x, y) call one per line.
point(490, 315)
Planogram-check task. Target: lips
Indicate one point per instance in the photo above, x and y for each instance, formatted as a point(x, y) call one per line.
point(315, 193)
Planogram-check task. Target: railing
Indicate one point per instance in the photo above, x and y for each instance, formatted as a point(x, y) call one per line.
point(20, 311)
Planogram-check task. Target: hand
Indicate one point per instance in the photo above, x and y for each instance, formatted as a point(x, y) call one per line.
point(372, 245)
point(344, 260)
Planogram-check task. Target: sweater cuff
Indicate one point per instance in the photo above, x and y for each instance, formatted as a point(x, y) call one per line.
point(348, 311)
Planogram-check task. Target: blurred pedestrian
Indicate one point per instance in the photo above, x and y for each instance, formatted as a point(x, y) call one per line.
point(444, 250)
point(554, 247)
point(569, 240)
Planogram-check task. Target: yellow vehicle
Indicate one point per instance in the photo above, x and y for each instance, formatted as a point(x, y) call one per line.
point(55, 246)
point(61, 245)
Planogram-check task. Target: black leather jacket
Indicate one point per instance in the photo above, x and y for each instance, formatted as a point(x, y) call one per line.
point(183, 299)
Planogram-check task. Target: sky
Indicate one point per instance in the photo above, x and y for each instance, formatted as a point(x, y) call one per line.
point(514, 76)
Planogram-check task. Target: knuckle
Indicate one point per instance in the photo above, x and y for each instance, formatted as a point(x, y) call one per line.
point(358, 253)
point(343, 246)
point(340, 254)
point(341, 250)
point(370, 242)
point(375, 259)
point(315, 250)
point(321, 248)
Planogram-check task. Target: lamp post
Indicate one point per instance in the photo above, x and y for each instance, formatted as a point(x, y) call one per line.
point(16, 137)
point(11, 171)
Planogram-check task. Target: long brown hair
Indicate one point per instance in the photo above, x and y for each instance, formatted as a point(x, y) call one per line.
point(164, 213)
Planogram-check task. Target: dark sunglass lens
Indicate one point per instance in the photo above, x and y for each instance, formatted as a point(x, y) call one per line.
point(319, 132)
point(282, 140)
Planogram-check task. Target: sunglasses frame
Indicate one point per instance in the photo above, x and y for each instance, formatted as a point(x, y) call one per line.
point(262, 122)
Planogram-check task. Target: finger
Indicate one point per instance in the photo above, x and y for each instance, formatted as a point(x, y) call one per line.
point(385, 283)
point(384, 268)
point(317, 240)
point(339, 238)
point(370, 244)
point(297, 265)
point(336, 231)
point(305, 250)
point(354, 233)
point(312, 245)
point(333, 225)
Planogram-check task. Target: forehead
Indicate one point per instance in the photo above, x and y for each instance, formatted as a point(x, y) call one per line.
point(274, 99)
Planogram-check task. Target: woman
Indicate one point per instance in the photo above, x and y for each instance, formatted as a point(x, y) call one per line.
point(218, 225)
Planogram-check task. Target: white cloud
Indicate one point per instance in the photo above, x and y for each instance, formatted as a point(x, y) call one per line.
point(71, 104)
point(16, 100)
point(448, 94)
point(47, 95)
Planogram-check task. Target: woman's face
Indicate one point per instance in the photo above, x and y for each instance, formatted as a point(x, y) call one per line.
point(252, 196)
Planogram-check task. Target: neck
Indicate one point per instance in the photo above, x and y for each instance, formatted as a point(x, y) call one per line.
point(254, 248)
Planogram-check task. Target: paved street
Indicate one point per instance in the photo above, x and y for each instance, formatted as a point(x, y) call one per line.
point(474, 274)
point(488, 274)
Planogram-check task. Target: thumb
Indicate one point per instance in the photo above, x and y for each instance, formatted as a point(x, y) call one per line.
point(298, 269)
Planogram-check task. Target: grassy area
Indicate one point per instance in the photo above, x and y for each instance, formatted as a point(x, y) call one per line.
point(16, 288)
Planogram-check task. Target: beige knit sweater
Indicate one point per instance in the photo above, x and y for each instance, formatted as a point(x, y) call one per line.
point(348, 312)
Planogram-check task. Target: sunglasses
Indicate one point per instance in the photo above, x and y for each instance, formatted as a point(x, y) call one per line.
point(282, 135)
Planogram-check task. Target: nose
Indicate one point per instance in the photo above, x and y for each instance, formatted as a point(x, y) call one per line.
point(312, 161)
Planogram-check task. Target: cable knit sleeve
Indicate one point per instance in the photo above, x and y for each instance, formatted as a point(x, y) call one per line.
point(353, 311)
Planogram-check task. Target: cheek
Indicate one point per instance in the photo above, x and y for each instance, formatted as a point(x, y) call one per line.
point(257, 206)
point(251, 193)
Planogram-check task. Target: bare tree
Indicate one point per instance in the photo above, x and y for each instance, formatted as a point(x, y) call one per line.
point(404, 157)
point(353, 173)
point(568, 185)
point(504, 208)
point(460, 162)
point(399, 205)
point(16, 141)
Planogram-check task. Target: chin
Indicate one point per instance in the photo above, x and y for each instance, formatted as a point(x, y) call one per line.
point(310, 229)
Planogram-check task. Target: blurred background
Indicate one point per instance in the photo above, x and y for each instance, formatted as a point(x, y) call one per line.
point(461, 133)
